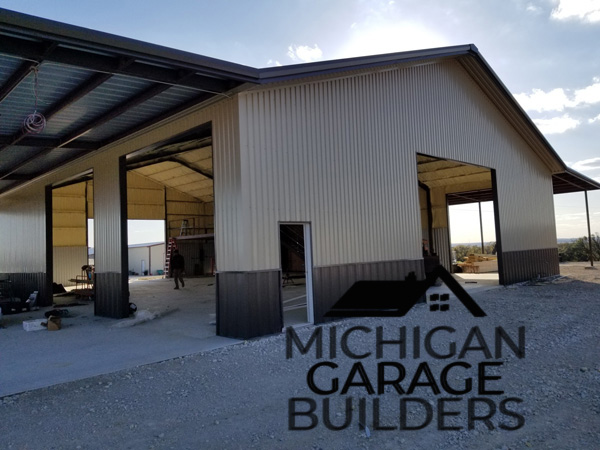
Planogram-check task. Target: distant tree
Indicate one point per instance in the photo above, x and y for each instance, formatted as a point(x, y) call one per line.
point(578, 250)
point(462, 251)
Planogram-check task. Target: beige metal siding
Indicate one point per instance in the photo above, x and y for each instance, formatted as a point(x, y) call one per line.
point(69, 223)
point(145, 198)
point(107, 217)
point(231, 237)
point(341, 154)
point(23, 232)
point(464, 125)
point(67, 263)
point(318, 153)
point(228, 210)
point(180, 207)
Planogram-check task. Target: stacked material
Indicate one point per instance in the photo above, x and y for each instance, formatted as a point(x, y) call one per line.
point(478, 263)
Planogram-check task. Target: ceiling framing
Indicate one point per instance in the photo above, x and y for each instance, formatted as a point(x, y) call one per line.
point(91, 92)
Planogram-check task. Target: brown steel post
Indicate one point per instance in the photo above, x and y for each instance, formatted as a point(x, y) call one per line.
point(481, 229)
point(587, 213)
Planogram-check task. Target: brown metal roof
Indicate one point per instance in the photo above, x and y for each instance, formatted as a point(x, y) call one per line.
point(96, 88)
point(572, 181)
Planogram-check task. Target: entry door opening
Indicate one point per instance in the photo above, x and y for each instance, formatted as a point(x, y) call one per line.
point(296, 273)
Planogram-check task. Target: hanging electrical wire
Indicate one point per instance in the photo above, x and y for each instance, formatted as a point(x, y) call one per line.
point(36, 122)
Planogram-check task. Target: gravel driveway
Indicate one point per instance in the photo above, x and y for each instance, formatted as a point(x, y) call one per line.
point(238, 397)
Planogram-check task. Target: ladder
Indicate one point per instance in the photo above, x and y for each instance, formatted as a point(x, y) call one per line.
point(172, 246)
point(183, 231)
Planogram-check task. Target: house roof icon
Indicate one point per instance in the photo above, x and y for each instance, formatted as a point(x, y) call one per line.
point(371, 298)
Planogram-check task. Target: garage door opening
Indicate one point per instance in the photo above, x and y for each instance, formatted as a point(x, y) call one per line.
point(170, 183)
point(458, 214)
point(296, 272)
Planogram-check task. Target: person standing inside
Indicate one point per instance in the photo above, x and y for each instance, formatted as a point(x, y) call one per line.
point(177, 266)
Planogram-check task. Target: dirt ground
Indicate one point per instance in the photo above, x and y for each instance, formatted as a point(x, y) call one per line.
point(239, 397)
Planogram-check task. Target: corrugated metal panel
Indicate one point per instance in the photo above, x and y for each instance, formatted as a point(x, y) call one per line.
point(54, 158)
point(180, 207)
point(110, 300)
point(231, 243)
point(135, 116)
point(330, 153)
point(198, 254)
point(69, 224)
point(528, 264)
point(54, 82)
point(153, 257)
point(104, 98)
point(24, 284)
point(67, 263)
point(249, 304)
point(331, 282)
point(15, 155)
point(145, 198)
point(341, 154)
point(23, 231)
point(107, 217)
point(442, 247)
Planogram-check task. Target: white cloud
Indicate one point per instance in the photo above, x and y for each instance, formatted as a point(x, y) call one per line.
point(584, 10)
point(587, 164)
point(556, 125)
point(533, 8)
point(595, 119)
point(538, 100)
point(558, 99)
point(273, 62)
point(304, 53)
point(589, 94)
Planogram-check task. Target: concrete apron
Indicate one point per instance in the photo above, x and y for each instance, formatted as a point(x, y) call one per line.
point(88, 345)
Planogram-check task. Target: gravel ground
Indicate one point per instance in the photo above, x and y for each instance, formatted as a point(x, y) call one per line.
point(237, 397)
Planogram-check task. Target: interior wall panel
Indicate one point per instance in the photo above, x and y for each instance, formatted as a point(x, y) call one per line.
point(69, 224)
point(180, 207)
point(67, 263)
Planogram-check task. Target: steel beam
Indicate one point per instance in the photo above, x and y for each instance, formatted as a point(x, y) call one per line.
point(107, 62)
point(19, 75)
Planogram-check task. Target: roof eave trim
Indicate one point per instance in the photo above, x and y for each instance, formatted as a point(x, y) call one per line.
point(289, 72)
point(15, 22)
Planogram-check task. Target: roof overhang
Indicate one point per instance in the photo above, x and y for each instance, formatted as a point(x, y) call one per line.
point(572, 181)
point(93, 89)
point(96, 88)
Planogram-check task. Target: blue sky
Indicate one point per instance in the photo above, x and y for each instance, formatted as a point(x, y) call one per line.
point(545, 51)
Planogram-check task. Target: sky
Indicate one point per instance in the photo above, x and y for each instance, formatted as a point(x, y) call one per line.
point(546, 52)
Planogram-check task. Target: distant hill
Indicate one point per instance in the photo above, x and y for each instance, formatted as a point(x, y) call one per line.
point(565, 240)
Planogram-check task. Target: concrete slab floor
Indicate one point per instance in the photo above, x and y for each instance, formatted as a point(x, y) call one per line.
point(88, 345)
